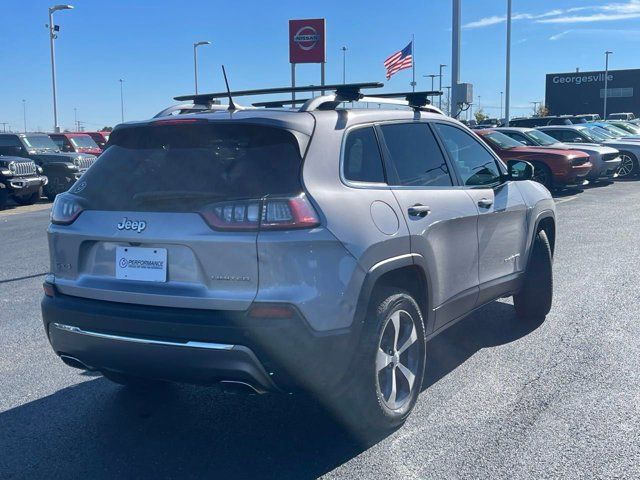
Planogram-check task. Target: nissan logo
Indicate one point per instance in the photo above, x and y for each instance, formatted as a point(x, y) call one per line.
point(306, 38)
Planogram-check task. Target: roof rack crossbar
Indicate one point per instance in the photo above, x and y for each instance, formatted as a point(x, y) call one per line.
point(343, 90)
point(279, 103)
point(415, 99)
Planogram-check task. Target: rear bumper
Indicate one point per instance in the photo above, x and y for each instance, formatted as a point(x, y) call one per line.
point(197, 346)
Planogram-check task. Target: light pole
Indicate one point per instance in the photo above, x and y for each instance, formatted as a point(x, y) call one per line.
point(606, 81)
point(507, 89)
point(501, 99)
point(195, 60)
point(448, 100)
point(431, 76)
point(479, 97)
point(442, 65)
point(24, 114)
point(52, 36)
point(75, 118)
point(121, 102)
point(344, 63)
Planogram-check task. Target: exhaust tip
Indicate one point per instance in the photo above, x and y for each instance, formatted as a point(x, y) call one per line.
point(74, 362)
point(238, 387)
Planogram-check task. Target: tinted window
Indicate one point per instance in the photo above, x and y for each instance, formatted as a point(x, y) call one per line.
point(475, 164)
point(59, 141)
point(181, 168)
point(416, 155)
point(9, 141)
point(519, 138)
point(362, 160)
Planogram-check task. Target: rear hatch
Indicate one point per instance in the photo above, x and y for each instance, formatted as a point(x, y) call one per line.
point(169, 214)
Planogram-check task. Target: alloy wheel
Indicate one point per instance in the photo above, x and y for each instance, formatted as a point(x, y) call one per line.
point(397, 360)
point(626, 166)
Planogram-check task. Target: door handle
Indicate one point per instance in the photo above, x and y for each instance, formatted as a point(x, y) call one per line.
point(485, 202)
point(419, 210)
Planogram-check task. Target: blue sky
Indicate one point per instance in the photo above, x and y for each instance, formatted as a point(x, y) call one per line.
point(149, 45)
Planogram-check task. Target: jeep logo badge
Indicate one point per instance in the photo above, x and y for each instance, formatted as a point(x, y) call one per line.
point(135, 225)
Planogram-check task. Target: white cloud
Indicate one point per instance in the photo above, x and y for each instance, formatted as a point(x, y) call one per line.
point(596, 17)
point(560, 35)
point(597, 13)
point(627, 35)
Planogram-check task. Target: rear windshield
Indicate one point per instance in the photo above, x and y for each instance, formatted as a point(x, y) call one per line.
point(179, 168)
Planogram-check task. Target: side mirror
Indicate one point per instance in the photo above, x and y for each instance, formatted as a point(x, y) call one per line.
point(520, 170)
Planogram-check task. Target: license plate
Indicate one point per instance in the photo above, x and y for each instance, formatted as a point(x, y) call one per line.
point(145, 264)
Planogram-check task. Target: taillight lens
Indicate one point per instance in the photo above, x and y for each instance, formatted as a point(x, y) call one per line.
point(265, 214)
point(66, 208)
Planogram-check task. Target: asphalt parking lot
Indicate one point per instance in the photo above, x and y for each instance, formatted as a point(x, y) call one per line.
point(502, 399)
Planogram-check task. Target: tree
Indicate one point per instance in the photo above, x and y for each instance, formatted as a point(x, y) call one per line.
point(480, 115)
point(542, 111)
point(106, 129)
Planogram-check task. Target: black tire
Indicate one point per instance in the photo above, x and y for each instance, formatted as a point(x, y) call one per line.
point(629, 165)
point(137, 383)
point(542, 174)
point(4, 198)
point(367, 407)
point(533, 302)
point(27, 199)
point(55, 186)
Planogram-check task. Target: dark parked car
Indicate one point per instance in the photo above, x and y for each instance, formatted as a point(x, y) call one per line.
point(542, 121)
point(552, 168)
point(20, 179)
point(62, 169)
point(76, 142)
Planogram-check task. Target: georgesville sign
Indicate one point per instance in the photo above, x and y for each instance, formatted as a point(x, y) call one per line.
point(307, 41)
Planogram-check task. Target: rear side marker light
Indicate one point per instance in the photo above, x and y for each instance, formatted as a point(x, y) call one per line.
point(271, 311)
point(49, 289)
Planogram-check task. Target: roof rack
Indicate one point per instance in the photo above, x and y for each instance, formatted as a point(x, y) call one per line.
point(280, 103)
point(345, 91)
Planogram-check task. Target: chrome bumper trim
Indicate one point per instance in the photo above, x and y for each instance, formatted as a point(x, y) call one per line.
point(146, 341)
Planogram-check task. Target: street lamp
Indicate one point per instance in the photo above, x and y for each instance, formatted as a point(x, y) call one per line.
point(52, 36)
point(535, 106)
point(195, 60)
point(448, 100)
point(121, 102)
point(344, 63)
point(442, 65)
point(606, 81)
point(479, 97)
point(507, 88)
point(431, 76)
point(501, 98)
point(24, 114)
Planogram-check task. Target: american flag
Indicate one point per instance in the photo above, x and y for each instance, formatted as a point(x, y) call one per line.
point(399, 60)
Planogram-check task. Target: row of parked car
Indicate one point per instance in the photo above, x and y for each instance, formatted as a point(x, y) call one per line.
point(568, 150)
point(32, 164)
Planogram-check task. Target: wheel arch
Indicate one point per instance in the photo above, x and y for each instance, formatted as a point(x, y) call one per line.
point(544, 221)
point(406, 272)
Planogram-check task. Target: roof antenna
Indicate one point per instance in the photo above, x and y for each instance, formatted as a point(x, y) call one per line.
point(232, 106)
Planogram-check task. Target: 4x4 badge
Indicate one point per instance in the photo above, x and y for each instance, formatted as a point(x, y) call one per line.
point(136, 225)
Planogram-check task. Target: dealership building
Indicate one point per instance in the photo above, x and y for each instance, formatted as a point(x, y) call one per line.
point(583, 92)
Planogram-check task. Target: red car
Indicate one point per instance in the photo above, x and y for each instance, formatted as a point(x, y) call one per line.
point(101, 138)
point(76, 142)
point(552, 168)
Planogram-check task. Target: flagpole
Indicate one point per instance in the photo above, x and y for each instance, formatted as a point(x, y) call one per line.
point(413, 62)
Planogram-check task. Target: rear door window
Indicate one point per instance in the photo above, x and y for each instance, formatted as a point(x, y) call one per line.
point(180, 168)
point(415, 155)
point(362, 161)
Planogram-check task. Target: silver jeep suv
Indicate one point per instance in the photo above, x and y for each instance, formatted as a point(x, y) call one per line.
point(313, 249)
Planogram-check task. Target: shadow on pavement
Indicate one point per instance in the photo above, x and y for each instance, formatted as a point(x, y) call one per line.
point(98, 430)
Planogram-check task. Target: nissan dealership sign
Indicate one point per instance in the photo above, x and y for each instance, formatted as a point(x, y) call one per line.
point(307, 41)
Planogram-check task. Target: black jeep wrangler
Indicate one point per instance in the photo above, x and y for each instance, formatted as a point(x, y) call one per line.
point(20, 179)
point(62, 169)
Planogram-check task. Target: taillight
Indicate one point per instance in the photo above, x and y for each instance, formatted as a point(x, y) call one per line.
point(66, 208)
point(264, 214)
